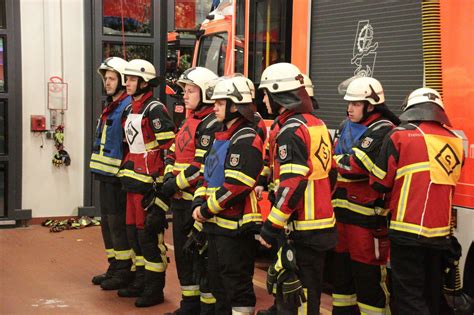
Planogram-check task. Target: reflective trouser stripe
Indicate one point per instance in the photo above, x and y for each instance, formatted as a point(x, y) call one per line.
point(344, 300)
point(109, 252)
point(123, 254)
point(243, 310)
point(370, 310)
point(154, 266)
point(190, 290)
point(207, 298)
point(139, 261)
point(303, 309)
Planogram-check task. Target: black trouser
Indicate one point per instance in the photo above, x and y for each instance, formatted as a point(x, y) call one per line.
point(417, 279)
point(230, 269)
point(310, 272)
point(182, 225)
point(114, 233)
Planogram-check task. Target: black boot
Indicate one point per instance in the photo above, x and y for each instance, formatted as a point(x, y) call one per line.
point(98, 279)
point(272, 310)
point(190, 305)
point(120, 279)
point(153, 292)
point(135, 288)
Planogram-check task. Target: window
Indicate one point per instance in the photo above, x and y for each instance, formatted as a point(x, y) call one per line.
point(2, 67)
point(3, 21)
point(3, 127)
point(130, 17)
point(132, 51)
point(212, 52)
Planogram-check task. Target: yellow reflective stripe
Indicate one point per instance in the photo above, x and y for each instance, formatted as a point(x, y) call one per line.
point(156, 267)
point(403, 200)
point(164, 135)
point(139, 261)
point(181, 181)
point(303, 309)
point(180, 166)
point(201, 169)
point(344, 300)
point(103, 167)
point(418, 229)
point(169, 168)
point(224, 223)
point(309, 200)
point(151, 145)
point(200, 192)
point(383, 285)
point(278, 217)
point(207, 298)
point(370, 310)
point(348, 180)
point(412, 168)
point(265, 171)
point(186, 195)
point(200, 153)
point(213, 204)
point(241, 177)
point(251, 217)
point(364, 158)
point(253, 202)
point(338, 157)
point(139, 177)
point(198, 226)
point(378, 172)
point(314, 224)
point(106, 159)
point(109, 252)
point(123, 254)
point(172, 148)
point(342, 203)
point(160, 203)
point(190, 290)
point(294, 169)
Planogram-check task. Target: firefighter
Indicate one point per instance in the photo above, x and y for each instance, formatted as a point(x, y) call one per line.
point(148, 131)
point(419, 164)
point(301, 155)
point(183, 171)
point(230, 213)
point(362, 250)
point(107, 155)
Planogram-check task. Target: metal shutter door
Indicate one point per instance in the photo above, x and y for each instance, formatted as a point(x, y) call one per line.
point(337, 33)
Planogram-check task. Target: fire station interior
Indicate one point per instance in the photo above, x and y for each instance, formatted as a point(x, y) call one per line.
point(47, 258)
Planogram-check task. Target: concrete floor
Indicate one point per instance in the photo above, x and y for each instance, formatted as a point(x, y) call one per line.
point(50, 273)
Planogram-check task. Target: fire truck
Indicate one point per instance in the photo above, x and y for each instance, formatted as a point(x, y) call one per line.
point(404, 44)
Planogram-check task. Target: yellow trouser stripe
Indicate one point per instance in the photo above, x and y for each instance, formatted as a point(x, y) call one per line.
point(109, 252)
point(343, 300)
point(370, 310)
point(139, 261)
point(156, 267)
point(207, 298)
point(190, 290)
point(123, 254)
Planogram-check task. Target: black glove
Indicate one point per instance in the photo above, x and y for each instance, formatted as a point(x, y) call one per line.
point(155, 221)
point(272, 276)
point(195, 244)
point(169, 187)
point(291, 289)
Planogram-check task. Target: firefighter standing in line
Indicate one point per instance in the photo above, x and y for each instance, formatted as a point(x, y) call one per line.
point(148, 131)
point(266, 178)
point(301, 162)
point(362, 250)
point(419, 164)
point(107, 155)
point(183, 171)
point(230, 213)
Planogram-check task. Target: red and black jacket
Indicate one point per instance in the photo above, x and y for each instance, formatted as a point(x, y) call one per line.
point(354, 200)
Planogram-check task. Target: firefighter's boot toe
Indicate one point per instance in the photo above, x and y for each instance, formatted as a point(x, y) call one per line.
point(100, 278)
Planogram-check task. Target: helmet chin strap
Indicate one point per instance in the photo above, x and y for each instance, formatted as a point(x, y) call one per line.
point(228, 115)
point(140, 90)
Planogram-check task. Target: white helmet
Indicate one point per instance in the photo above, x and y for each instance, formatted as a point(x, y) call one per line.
point(423, 95)
point(308, 85)
point(141, 68)
point(116, 64)
point(365, 89)
point(281, 77)
point(251, 87)
point(198, 76)
point(234, 89)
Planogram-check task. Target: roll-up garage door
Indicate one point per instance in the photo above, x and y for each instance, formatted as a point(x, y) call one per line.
point(381, 39)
